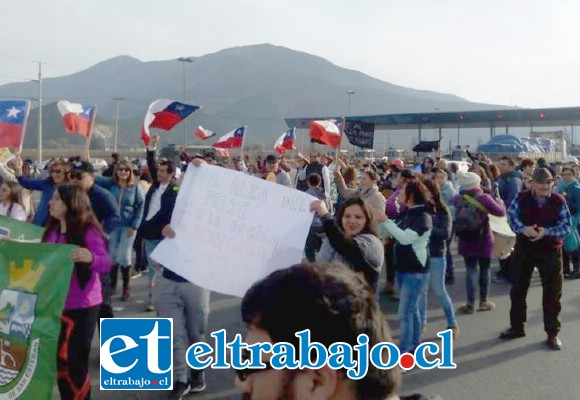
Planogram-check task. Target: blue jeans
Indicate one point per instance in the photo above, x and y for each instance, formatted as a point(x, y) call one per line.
point(437, 284)
point(410, 285)
point(121, 246)
point(472, 277)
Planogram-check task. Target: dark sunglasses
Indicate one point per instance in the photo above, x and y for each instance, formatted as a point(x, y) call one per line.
point(56, 171)
point(244, 373)
point(76, 175)
point(124, 170)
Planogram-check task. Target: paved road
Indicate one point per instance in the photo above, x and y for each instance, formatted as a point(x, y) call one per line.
point(487, 367)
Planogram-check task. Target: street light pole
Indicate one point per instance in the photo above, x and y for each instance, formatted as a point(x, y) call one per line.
point(39, 113)
point(184, 60)
point(350, 92)
point(117, 99)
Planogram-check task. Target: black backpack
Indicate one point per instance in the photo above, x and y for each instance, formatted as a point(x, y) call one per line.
point(470, 219)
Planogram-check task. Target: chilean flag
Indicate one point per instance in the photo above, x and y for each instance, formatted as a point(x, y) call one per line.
point(76, 117)
point(231, 139)
point(13, 118)
point(164, 114)
point(286, 141)
point(325, 132)
point(203, 133)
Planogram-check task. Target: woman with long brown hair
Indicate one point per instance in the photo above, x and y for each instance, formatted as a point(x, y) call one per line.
point(130, 201)
point(441, 232)
point(351, 238)
point(11, 201)
point(72, 221)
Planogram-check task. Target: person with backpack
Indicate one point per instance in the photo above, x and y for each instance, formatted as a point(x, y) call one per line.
point(476, 240)
point(570, 190)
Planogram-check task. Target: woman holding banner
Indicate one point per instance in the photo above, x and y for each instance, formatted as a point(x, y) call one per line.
point(72, 222)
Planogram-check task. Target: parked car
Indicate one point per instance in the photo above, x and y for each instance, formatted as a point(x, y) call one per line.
point(99, 164)
point(461, 165)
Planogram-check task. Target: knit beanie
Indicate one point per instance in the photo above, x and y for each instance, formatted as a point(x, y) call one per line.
point(468, 180)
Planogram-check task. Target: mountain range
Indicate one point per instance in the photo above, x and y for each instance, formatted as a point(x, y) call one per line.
point(256, 85)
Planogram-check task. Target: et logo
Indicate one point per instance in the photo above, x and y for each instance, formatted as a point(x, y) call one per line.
point(136, 353)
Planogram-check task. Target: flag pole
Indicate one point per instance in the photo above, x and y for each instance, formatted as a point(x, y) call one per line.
point(88, 141)
point(24, 127)
point(337, 150)
point(243, 140)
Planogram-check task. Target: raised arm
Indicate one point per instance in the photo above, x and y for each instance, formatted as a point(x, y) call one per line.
point(151, 158)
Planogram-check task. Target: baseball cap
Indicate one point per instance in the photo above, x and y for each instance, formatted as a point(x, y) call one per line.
point(82, 166)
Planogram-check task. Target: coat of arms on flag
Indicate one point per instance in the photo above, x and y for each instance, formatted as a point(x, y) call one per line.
point(34, 282)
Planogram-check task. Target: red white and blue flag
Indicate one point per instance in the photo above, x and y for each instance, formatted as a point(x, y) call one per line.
point(165, 114)
point(325, 132)
point(231, 140)
point(286, 141)
point(76, 117)
point(203, 133)
point(13, 118)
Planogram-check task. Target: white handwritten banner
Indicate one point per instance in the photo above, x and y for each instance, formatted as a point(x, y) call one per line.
point(233, 229)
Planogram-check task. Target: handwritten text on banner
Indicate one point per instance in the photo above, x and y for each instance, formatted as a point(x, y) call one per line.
point(233, 229)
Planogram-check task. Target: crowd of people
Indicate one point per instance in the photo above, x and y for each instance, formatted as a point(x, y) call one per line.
point(380, 228)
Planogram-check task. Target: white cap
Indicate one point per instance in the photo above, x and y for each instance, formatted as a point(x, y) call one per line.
point(570, 160)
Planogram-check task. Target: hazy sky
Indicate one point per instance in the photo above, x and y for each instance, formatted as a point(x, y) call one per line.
point(513, 52)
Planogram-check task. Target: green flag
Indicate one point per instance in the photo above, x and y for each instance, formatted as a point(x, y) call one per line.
point(20, 230)
point(34, 282)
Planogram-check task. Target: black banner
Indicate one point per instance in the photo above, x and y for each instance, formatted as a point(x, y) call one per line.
point(426, 146)
point(360, 134)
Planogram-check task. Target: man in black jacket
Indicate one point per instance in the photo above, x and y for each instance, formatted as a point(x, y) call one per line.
point(159, 203)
